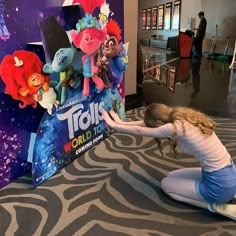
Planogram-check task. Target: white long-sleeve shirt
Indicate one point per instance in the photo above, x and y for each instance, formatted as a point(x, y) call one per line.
point(207, 149)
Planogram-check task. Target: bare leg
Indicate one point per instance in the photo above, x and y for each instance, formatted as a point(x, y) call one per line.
point(86, 87)
point(183, 190)
point(181, 186)
point(98, 82)
point(64, 94)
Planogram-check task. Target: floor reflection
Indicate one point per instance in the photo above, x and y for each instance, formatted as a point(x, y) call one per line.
point(195, 68)
point(203, 84)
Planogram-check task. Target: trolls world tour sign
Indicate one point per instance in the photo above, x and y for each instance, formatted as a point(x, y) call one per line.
point(71, 130)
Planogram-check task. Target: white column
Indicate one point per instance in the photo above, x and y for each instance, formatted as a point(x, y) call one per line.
point(131, 34)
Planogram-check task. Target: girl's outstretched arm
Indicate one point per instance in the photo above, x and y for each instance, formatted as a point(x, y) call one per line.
point(164, 131)
point(117, 119)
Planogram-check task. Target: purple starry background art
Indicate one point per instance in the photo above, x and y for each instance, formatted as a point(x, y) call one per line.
point(20, 18)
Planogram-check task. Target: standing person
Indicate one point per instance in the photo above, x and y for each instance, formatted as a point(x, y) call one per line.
point(210, 186)
point(201, 31)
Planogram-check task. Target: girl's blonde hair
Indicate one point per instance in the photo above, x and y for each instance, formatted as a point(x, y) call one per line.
point(158, 114)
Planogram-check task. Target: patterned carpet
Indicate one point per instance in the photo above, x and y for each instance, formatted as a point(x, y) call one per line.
point(112, 190)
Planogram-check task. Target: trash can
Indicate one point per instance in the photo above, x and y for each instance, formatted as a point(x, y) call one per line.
point(185, 43)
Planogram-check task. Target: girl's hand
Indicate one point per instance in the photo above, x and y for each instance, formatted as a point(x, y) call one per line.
point(115, 117)
point(108, 119)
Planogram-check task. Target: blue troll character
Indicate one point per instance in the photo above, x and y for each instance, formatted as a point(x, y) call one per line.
point(60, 54)
point(62, 63)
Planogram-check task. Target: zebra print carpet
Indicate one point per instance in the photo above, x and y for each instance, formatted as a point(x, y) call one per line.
point(112, 190)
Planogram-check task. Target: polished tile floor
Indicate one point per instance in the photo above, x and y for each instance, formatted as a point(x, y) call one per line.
point(205, 84)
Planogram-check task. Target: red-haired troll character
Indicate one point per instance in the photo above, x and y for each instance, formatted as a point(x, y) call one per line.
point(114, 60)
point(88, 37)
point(25, 81)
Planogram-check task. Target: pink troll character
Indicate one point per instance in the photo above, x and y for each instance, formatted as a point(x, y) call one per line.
point(88, 36)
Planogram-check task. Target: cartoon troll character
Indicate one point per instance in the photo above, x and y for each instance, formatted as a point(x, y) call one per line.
point(60, 55)
point(25, 81)
point(114, 61)
point(62, 63)
point(88, 37)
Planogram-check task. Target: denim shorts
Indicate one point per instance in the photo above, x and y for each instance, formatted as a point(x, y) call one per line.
point(217, 186)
